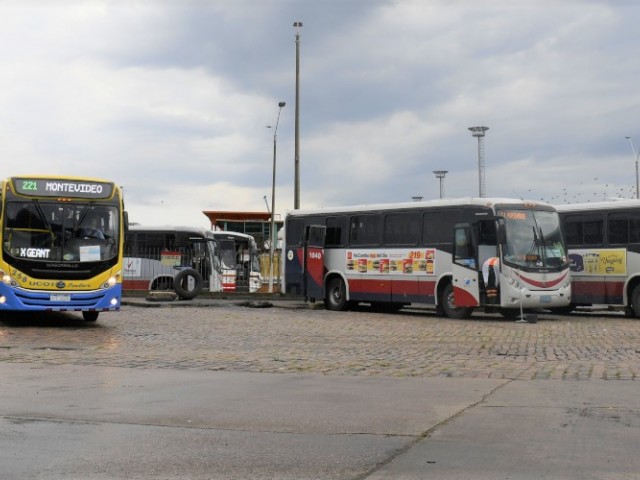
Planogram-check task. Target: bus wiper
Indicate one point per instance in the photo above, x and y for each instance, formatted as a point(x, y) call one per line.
point(42, 216)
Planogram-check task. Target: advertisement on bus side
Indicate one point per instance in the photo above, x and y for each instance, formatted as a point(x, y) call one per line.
point(599, 261)
point(391, 261)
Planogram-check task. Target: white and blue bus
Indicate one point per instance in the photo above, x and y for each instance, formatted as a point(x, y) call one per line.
point(190, 260)
point(430, 252)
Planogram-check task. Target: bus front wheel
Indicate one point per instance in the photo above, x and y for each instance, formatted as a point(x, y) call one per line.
point(635, 301)
point(449, 306)
point(336, 296)
point(90, 316)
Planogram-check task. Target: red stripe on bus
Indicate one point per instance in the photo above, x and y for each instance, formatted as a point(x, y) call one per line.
point(397, 288)
point(597, 288)
point(545, 284)
point(463, 298)
point(135, 285)
point(370, 286)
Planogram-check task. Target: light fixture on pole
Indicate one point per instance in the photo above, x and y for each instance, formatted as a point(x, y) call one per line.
point(636, 157)
point(272, 232)
point(478, 132)
point(296, 181)
point(440, 175)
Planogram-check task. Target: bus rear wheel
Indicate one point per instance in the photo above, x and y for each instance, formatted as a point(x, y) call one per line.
point(449, 306)
point(336, 295)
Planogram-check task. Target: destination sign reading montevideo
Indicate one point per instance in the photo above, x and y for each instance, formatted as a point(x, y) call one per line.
point(62, 188)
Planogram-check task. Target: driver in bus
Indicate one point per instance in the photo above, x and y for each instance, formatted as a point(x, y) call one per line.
point(91, 228)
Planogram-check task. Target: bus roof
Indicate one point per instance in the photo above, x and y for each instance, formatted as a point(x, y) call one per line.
point(169, 228)
point(448, 202)
point(188, 229)
point(603, 205)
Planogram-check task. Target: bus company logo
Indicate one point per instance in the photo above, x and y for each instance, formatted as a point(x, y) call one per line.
point(61, 284)
point(40, 283)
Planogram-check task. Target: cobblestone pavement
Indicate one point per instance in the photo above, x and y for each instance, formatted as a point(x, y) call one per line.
point(362, 343)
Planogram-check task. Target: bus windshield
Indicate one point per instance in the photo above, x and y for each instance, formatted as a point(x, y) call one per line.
point(73, 232)
point(534, 239)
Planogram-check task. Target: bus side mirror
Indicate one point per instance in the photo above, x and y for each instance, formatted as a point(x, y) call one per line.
point(501, 231)
point(125, 219)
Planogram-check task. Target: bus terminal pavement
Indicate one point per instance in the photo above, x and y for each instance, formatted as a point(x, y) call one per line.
point(230, 387)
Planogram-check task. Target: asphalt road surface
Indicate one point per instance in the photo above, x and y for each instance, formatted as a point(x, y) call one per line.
point(219, 391)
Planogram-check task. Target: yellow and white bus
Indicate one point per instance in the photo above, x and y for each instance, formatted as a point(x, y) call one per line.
point(62, 244)
point(430, 252)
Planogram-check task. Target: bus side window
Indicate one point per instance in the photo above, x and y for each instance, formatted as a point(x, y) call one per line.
point(618, 228)
point(573, 232)
point(487, 233)
point(464, 252)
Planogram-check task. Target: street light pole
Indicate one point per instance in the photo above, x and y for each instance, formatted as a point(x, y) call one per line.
point(272, 232)
point(296, 186)
point(636, 159)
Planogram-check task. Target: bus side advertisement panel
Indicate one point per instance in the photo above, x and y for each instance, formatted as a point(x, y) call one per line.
point(598, 261)
point(396, 274)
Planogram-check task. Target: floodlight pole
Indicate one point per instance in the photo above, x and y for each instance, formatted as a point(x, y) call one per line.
point(636, 156)
point(296, 186)
point(272, 233)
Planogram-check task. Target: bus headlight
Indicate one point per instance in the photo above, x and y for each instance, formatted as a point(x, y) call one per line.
point(6, 279)
point(514, 283)
point(110, 283)
point(3, 299)
point(114, 302)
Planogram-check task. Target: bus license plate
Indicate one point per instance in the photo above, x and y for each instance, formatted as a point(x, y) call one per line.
point(59, 297)
point(545, 299)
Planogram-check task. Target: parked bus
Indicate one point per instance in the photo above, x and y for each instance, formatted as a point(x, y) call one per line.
point(240, 261)
point(431, 253)
point(603, 239)
point(62, 243)
point(190, 260)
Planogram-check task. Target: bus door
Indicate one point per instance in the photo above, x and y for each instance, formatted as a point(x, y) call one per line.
point(228, 264)
point(475, 263)
point(314, 262)
point(466, 274)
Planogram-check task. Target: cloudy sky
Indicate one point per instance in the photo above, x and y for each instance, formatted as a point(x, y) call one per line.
point(171, 99)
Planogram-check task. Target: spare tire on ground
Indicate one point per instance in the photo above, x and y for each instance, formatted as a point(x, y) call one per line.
point(188, 283)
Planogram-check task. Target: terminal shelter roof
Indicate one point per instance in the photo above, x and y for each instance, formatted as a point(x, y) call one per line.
point(220, 216)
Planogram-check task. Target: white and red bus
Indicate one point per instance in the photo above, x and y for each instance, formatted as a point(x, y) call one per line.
point(603, 239)
point(190, 260)
point(430, 252)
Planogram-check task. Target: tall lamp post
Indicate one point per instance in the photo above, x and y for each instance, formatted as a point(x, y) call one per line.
point(296, 186)
point(273, 235)
point(440, 174)
point(478, 132)
point(636, 156)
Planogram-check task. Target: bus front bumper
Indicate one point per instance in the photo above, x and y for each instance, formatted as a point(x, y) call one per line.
point(104, 299)
point(515, 295)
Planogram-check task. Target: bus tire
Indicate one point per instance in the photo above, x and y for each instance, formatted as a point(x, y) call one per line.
point(181, 284)
point(635, 301)
point(563, 310)
point(90, 315)
point(336, 295)
point(449, 306)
